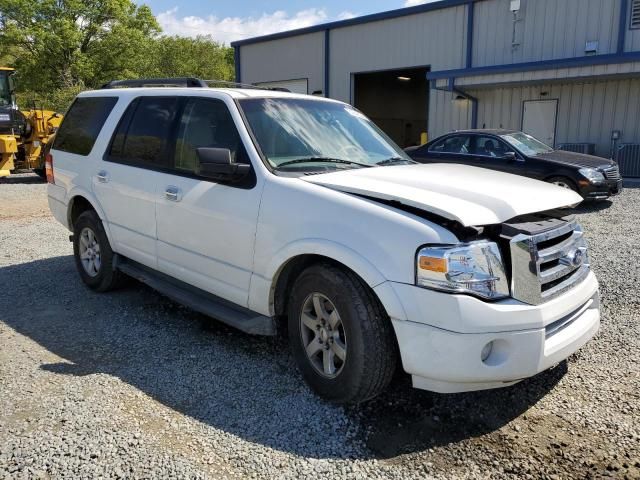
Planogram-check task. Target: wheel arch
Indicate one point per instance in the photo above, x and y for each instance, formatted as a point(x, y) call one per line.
point(81, 201)
point(286, 269)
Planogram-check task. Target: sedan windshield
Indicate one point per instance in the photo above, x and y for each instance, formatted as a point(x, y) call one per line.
point(526, 143)
point(295, 133)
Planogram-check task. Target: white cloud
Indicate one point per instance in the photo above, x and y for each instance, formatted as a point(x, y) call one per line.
point(413, 3)
point(229, 29)
point(346, 15)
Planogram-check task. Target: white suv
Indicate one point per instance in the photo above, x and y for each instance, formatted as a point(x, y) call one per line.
point(272, 211)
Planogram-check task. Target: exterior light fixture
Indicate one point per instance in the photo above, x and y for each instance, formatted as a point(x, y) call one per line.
point(404, 79)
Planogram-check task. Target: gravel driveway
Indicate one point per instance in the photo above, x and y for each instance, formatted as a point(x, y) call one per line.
point(129, 384)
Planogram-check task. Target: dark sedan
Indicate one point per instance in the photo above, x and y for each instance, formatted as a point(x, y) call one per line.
point(516, 152)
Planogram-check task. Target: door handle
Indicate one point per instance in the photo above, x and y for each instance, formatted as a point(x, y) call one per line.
point(172, 194)
point(103, 176)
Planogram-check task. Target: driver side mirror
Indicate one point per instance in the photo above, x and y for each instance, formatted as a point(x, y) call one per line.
point(511, 157)
point(216, 164)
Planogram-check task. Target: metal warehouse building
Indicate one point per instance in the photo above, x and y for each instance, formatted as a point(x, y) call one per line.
point(566, 71)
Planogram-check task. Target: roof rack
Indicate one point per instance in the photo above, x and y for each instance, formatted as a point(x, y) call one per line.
point(189, 82)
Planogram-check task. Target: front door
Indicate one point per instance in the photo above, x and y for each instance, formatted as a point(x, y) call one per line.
point(539, 120)
point(206, 230)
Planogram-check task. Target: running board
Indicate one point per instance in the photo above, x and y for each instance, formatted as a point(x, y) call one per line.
point(204, 302)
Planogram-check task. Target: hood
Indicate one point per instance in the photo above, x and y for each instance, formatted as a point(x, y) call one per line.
point(469, 195)
point(576, 159)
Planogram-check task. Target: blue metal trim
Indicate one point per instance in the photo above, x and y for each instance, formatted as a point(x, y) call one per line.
point(327, 61)
point(400, 12)
point(622, 25)
point(451, 87)
point(470, 9)
point(236, 61)
point(608, 58)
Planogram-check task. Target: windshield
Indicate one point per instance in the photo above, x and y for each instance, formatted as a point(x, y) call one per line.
point(5, 94)
point(312, 134)
point(526, 143)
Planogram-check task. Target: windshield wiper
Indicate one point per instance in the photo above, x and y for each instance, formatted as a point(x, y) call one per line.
point(322, 160)
point(394, 161)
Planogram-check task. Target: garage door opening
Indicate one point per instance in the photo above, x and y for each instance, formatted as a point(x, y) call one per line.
point(396, 100)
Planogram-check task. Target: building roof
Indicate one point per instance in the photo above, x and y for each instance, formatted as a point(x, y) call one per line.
point(400, 12)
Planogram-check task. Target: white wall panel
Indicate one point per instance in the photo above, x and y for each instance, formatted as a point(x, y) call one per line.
point(290, 58)
point(436, 39)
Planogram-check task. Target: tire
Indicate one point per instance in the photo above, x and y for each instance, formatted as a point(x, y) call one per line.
point(101, 275)
point(361, 330)
point(563, 182)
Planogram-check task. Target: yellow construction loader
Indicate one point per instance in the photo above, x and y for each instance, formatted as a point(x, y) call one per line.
point(23, 134)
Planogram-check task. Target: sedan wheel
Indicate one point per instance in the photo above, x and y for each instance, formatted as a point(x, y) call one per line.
point(563, 184)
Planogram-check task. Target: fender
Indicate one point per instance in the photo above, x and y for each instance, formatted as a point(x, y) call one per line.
point(78, 191)
point(263, 284)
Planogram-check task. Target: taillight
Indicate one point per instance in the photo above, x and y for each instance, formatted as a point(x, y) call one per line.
point(48, 167)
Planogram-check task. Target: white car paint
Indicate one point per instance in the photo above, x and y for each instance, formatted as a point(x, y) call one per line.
point(234, 243)
point(470, 195)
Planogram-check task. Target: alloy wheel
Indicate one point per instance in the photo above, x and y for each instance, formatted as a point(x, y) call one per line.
point(323, 335)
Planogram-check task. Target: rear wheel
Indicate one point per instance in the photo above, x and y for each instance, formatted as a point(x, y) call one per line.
point(340, 335)
point(93, 255)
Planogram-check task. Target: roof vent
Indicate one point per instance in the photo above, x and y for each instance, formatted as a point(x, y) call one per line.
point(635, 14)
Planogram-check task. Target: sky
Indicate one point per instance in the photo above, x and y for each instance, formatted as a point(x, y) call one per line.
point(230, 20)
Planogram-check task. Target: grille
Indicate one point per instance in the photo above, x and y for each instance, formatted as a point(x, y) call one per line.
point(548, 264)
point(612, 173)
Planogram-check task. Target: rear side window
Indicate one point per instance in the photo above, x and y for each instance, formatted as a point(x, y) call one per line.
point(82, 124)
point(453, 144)
point(144, 132)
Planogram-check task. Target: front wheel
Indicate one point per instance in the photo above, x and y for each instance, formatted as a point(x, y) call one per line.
point(340, 335)
point(563, 183)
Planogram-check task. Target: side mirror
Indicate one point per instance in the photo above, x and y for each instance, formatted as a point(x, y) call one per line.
point(215, 163)
point(511, 157)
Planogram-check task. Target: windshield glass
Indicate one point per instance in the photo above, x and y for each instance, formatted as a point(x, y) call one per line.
point(309, 133)
point(526, 143)
point(5, 94)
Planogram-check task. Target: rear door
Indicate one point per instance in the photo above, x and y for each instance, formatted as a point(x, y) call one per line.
point(450, 149)
point(206, 229)
point(125, 181)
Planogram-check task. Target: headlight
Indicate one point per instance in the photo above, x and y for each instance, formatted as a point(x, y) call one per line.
point(475, 268)
point(591, 174)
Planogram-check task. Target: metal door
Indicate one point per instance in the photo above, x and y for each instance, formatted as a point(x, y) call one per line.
point(539, 120)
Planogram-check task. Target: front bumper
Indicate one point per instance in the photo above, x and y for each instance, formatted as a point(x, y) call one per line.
point(602, 190)
point(447, 361)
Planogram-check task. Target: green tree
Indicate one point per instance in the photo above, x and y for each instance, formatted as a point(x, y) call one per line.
point(66, 44)
point(200, 57)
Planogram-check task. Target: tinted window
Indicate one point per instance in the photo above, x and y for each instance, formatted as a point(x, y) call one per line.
point(489, 147)
point(453, 144)
point(82, 124)
point(206, 123)
point(145, 130)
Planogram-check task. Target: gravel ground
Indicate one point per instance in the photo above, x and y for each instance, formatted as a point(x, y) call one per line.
point(128, 384)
